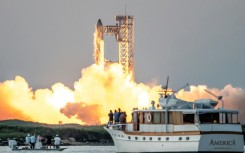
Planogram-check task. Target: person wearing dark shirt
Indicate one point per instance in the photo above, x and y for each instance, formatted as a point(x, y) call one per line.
point(116, 117)
point(110, 118)
point(49, 141)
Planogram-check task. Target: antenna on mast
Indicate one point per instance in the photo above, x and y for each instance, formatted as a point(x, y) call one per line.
point(125, 9)
point(219, 98)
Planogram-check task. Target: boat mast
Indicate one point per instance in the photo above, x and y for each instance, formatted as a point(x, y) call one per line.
point(167, 97)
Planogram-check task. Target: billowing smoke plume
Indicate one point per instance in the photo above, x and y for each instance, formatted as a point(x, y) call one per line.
point(89, 114)
point(99, 89)
point(95, 93)
point(107, 89)
point(9, 96)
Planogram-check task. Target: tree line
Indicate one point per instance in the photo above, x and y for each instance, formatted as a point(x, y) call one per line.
point(19, 129)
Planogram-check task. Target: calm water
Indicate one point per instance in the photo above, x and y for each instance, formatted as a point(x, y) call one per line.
point(70, 149)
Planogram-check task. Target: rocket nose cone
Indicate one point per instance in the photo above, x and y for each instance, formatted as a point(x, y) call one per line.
point(99, 23)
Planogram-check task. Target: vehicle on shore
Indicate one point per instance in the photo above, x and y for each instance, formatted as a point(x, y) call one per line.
point(180, 126)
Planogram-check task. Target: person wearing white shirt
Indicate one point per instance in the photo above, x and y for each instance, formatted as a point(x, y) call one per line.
point(57, 141)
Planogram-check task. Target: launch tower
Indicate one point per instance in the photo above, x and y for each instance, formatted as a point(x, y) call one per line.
point(124, 34)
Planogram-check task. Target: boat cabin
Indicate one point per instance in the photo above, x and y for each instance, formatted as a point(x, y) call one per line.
point(158, 117)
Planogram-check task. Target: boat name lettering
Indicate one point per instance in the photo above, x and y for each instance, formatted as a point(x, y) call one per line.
point(222, 143)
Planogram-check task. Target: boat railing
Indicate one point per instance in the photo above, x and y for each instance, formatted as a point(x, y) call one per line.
point(119, 126)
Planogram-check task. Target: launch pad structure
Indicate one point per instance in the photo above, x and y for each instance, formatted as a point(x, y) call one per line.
point(124, 34)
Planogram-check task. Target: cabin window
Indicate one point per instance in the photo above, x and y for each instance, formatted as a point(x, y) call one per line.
point(209, 118)
point(178, 117)
point(235, 118)
point(135, 121)
point(163, 117)
point(189, 118)
point(156, 118)
point(228, 117)
point(141, 117)
point(170, 118)
point(223, 118)
point(231, 118)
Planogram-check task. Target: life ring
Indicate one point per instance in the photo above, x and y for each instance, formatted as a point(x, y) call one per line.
point(148, 117)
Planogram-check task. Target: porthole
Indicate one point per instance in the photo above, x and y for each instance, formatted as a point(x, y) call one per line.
point(159, 138)
point(167, 138)
point(187, 138)
point(143, 138)
point(129, 137)
point(150, 138)
point(136, 138)
point(180, 138)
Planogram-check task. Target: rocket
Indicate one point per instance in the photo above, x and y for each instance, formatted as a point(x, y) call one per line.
point(99, 29)
point(99, 44)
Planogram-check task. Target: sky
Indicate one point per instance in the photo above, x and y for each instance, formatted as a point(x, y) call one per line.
point(200, 42)
point(46, 50)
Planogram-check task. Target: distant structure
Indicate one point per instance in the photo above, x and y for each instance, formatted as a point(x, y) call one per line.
point(124, 34)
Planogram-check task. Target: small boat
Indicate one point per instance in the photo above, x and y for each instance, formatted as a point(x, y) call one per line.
point(180, 126)
point(13, 145)
point(37, 147)
point(42, 149)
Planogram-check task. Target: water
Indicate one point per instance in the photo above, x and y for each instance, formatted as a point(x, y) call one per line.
point(70, 149)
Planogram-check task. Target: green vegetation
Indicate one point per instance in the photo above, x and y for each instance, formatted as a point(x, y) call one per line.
point(19, 129)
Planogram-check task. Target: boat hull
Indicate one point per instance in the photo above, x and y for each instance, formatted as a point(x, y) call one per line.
point(216, 143)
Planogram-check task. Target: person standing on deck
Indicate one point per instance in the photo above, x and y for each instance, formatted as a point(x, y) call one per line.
point(110, 118)
point(28, 140)
point(119, 114)
point(116, 118)
point(57, 142)
point(33, 141)
point(38, 144)
point(49, 141)
point(122, 120)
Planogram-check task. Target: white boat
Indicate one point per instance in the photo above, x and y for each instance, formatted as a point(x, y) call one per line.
point(180, 126)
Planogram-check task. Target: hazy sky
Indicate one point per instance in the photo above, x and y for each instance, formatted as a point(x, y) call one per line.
point(200, 42)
